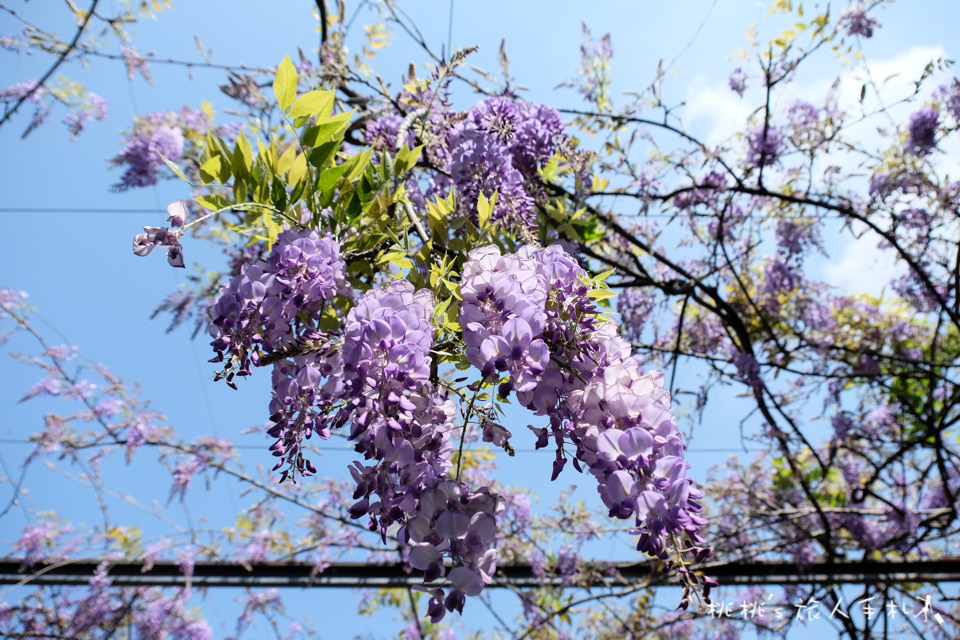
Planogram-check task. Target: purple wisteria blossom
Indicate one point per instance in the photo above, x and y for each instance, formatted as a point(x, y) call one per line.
point(922, 131)
point(381, 134)
point(77, 118)
point(157, 134)
point(151, 237)
point(36, 95)
point(275, 304)
point(135, 62)
point(401, 422)
point(142, 155)
point(738, 81)
point(264, 307)
point(11, 300)
point(950, 95)
point(883, 185)
point(795, 236)
point(856, 20)
point(765, 146)
point(705, 191)
point(594, 70)
point(497, 149)
point(593, 392)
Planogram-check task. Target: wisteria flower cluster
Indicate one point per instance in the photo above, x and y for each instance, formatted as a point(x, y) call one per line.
point(765, 146)
point(163, 134)
point(594, 78)
point(738, 81)
point(276, 301)
point(497, 149)
point(83, 105)
point(856, 20)
point(376, 377)
point(531, 326)
point(922, 131)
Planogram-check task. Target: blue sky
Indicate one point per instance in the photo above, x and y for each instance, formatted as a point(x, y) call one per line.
point(68, 238)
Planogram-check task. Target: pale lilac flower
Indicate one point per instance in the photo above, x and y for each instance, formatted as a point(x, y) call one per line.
point(766, 144)
point(922, 131)
point(738, 81)
point(856, 20)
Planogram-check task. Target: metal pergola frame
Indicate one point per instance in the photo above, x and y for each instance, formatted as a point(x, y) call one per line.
point(360, 574)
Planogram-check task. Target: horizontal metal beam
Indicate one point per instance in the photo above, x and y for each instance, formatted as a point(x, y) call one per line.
point(357, 574)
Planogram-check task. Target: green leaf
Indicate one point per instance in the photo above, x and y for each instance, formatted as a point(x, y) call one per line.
point(213, 202)
point(279, 194)
point(452, 322)
point(268, 155)
point(331, 128)
point(550, 170)
point(314, 103)
point(397, 258)
point(285, 83)
point(173, 167)
point(485, 209)
point(286, 160)
point(211, 169)
point(452, 287)
point(601, 277)
point(329, 178)
point(240, 190)
point(407, 159)
point(358, 164)
point(323, 155)
point(297, 170)
point(242, 160)
point(360, 266)
point(441, 307)
point(437, 214)
point(601, 294)
point(297, 191)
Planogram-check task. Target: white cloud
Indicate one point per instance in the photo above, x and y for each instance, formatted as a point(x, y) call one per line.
point(715, 109)
point(716, 113)
point(862, 267)
point(894, 77)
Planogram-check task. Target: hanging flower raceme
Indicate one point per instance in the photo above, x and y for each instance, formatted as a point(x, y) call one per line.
point(922, 131)
point(532, 328)
point(157, 136)
point(273, 303)
point(766, 145)
point(595, 394)
point(855, 20)
point(398, 418)
point(497, 149)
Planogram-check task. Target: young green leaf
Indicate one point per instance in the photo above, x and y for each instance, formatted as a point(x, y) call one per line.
point(313, 103)
point(601, 294)
point(485, 209)
point(213, 202)
point(286, 160)
point(285, 83)
point(211, 169)
point(242, 160)
point(173, 167)
point(298, 170)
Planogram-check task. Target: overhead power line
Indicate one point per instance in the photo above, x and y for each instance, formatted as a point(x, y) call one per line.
point(360, 575)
